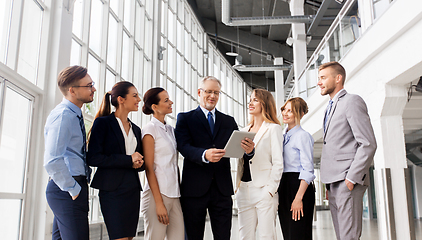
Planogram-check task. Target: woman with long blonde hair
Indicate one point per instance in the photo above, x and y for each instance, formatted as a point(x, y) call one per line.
point(259, 172)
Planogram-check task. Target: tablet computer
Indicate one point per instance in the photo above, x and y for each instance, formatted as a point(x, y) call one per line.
point(233, 148)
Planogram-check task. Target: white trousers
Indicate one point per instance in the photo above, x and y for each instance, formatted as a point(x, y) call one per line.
point(256, 209)
point(153, 229)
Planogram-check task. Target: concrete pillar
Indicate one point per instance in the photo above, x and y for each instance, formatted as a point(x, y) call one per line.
point(391, 195)
point(299, 42)
point(279, 85)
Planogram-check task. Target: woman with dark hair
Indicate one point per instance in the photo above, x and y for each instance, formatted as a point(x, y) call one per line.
point(115, 147)
point(297, 195)
point(259, 172)
point(161, 208)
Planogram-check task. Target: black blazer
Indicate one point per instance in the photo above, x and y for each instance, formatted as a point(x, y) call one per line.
point(193, 135)
point(106, 150)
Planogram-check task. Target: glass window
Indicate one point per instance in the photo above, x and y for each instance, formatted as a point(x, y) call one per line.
point(187, 103)
point(194, 54)
point(147, 75)
point(200, 62)
point(16, 121)
point(171, 61)
point(126, 58)
point(172, 96)
point(149, 7)
point(216, 60)
point(229, 81)
point(180, 9)
point(179, 100)
point(193, 30)
point(173, 5)
point(224, 103)
point(110, 80)
point(222, 77)
point(179, 74)
point(94, 73)
point(187, 76)
point(193, 81)
point(199, 39)
point(334, 45)
point(350, 28)
point(187, 20)
point(171, 27)
point(148, 37)
point(179, 36)
point(75, 53)
point(187, 46)
point(5, 12)
point(139, 24)
point(163, 19)
point(78, 18)
point(380, 6)
point(10, 217)
point(112, 42)
point(114, 5)
point(230, 107)
point(127, 15)
point(30, 41)
point(137, 69)
point(96, 26)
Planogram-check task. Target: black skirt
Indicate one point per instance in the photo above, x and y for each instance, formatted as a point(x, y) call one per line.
point(301, 229)
point(120, 210)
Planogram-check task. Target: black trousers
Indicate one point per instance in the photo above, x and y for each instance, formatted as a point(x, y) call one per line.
point(220, 211)
point(291, 229)
point(70, 216)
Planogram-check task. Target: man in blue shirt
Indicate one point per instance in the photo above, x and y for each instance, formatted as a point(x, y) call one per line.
point(65, 156)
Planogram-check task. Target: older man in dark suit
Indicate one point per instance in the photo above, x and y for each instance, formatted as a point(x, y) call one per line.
point(201, 135)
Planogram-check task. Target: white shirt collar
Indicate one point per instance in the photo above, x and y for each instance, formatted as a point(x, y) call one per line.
point(158, 123)
point(205, 111)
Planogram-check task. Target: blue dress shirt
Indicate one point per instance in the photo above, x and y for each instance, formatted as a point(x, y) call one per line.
point(298, 153)
point(63, 156)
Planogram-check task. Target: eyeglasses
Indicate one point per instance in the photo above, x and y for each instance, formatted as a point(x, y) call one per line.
point(90, 86)
point(209, 92)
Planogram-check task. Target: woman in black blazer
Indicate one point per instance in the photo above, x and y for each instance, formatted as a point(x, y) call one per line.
point(115, 147)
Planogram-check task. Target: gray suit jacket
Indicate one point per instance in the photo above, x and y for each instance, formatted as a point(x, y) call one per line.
point(349, 141)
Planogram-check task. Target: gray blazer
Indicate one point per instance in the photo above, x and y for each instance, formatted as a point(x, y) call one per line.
point(349, 141)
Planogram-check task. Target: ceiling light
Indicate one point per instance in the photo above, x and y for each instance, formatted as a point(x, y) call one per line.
point(289, 41)
point(231, 53)
point(261, 68)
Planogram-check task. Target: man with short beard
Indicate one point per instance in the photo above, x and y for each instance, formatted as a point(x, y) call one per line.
point(65, 156)
point(347, 153)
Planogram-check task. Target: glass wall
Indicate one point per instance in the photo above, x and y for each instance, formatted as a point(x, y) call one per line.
point(15, 124)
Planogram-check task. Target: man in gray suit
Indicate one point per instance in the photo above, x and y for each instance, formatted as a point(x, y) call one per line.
point(347, 152)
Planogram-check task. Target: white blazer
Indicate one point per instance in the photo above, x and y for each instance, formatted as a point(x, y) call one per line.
point(266, 166)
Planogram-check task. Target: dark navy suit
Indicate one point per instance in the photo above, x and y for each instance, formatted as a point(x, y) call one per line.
point(117, 181)
point(205, 185)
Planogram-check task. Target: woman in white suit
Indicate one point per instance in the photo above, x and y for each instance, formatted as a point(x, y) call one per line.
point(259, 173)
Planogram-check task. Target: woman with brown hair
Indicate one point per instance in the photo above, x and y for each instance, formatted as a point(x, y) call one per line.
point(115, 147)
point(259, 173)
point(296, 204)
point(163, 218)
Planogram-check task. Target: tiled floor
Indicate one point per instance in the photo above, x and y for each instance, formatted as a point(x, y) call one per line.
point(322, 229)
